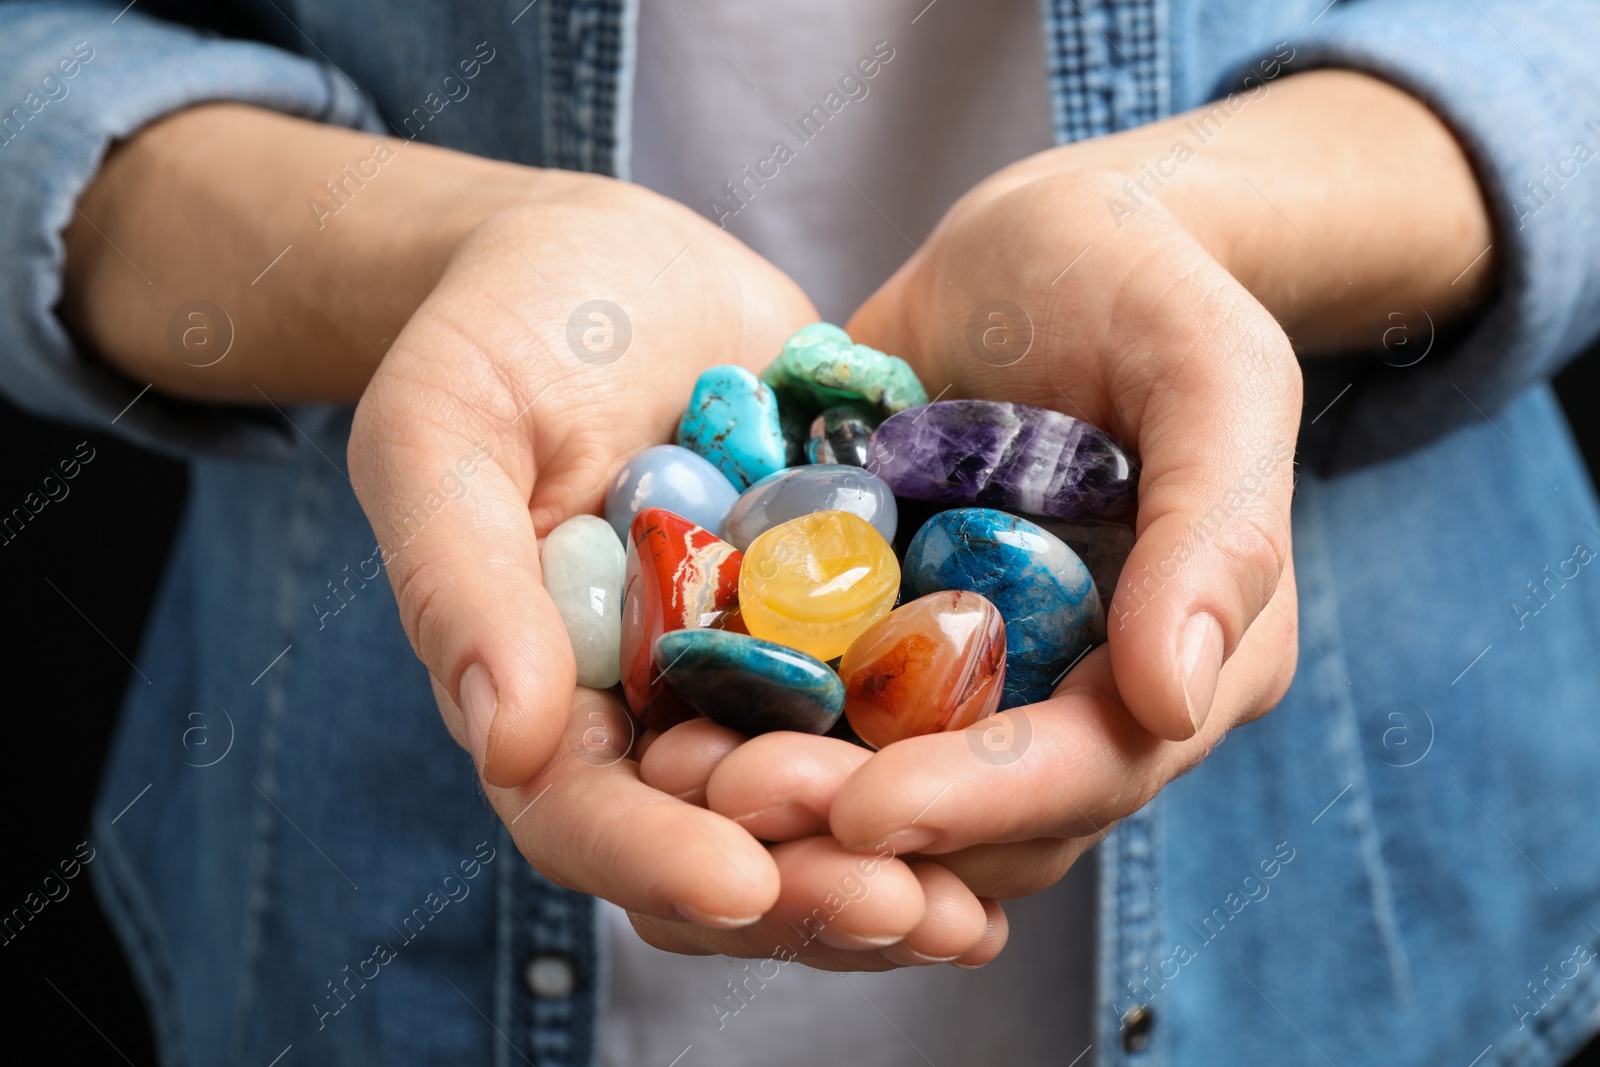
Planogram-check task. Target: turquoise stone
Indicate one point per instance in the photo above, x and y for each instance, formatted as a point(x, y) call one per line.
point(582, 564)
point(1044, 592)
point(747, 684)
point(732, 420)
point(842, 435)
point(799, 491)
point(820, 367)
point(670, 477)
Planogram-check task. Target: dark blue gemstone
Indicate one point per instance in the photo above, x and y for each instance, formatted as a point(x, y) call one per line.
point(1044, 592)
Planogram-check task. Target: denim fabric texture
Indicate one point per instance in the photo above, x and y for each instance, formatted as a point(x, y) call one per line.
point(1394, 867)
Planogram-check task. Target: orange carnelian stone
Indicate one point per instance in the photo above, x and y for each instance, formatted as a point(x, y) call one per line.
point(937, 663)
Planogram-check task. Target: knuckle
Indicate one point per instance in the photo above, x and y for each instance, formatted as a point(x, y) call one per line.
point(420, 596)
point(1257, 549)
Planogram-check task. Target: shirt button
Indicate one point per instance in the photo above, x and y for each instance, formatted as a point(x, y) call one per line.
point(1136, 1025)
point(550, 976)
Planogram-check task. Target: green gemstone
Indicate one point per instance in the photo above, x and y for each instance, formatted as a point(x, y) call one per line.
point(820, 367)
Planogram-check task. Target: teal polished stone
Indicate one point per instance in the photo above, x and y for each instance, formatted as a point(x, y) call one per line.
point(582, 564)
point(820, 367)
point(747, 684)
point(732, 421)
point(1044, 592)
point(799, 491)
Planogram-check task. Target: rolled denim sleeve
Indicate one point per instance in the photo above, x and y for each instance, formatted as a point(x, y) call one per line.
point(74, 79)
point(1518, 84)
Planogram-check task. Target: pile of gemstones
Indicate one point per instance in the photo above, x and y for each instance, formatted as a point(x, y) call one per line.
point(758, 572)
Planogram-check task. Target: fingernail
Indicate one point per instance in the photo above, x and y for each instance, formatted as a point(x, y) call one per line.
point(716, 922)
point(910, 957)
point(478, 703)
point(845, 941)
point(900, 842)
point(1200, 646)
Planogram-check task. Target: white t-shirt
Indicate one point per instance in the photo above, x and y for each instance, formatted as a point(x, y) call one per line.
point(886, 112)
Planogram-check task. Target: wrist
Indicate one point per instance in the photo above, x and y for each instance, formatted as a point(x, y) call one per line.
point(1333, 197)
point(316, 244)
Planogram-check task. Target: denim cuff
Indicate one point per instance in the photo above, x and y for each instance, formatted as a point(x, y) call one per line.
point(74, 79)
point(1513, 79)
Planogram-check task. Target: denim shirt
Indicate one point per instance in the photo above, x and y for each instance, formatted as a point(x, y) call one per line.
point(1397, 866)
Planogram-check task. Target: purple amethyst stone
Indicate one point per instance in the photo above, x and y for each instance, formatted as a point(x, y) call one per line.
point(1000, 455)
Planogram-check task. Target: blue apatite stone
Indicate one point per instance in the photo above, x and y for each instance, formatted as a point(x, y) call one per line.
point(1044, 592)
point(798, 491)
point(747, 684)
point(670, 477)
point(733, 422)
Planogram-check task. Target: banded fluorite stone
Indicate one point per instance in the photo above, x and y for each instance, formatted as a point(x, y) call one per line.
point(1044, 592)
point(732, 422)
point(747, 684)
point(679, 576)
point(935, 663)
point(815, 582)
point(1004, 456)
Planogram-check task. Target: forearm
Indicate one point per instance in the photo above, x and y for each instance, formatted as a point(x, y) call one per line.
point(231, 205)
point(1334, 197)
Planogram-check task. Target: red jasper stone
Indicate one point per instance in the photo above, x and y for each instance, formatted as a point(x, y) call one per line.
point(679, 576)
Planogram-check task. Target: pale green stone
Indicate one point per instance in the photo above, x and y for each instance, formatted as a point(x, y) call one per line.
point(584, 564)
point(820, 367)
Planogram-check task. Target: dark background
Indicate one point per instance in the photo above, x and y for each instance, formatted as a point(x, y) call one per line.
point(104, 547)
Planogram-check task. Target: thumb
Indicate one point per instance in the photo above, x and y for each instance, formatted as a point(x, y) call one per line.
point(1217, 443)
point(450, 511)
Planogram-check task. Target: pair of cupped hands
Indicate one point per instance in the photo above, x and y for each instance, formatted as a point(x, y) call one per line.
point(853, 859)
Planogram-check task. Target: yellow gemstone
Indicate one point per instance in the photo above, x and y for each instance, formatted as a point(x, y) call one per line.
point(816, 582)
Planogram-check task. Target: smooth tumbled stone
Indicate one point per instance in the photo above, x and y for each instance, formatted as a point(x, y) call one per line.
point(799, 491)
point(842, 435)
point(678, 576)
point(583, 565)
point(1103, 546)
point(814, 583)
point(820, 367)
point(732, 421)
point(747, 684)
point(671, 477)
point(935, 663)
point(1004, 456)
point(1044, 592)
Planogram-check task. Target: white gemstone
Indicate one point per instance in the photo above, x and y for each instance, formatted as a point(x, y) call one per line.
point(583, 565)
